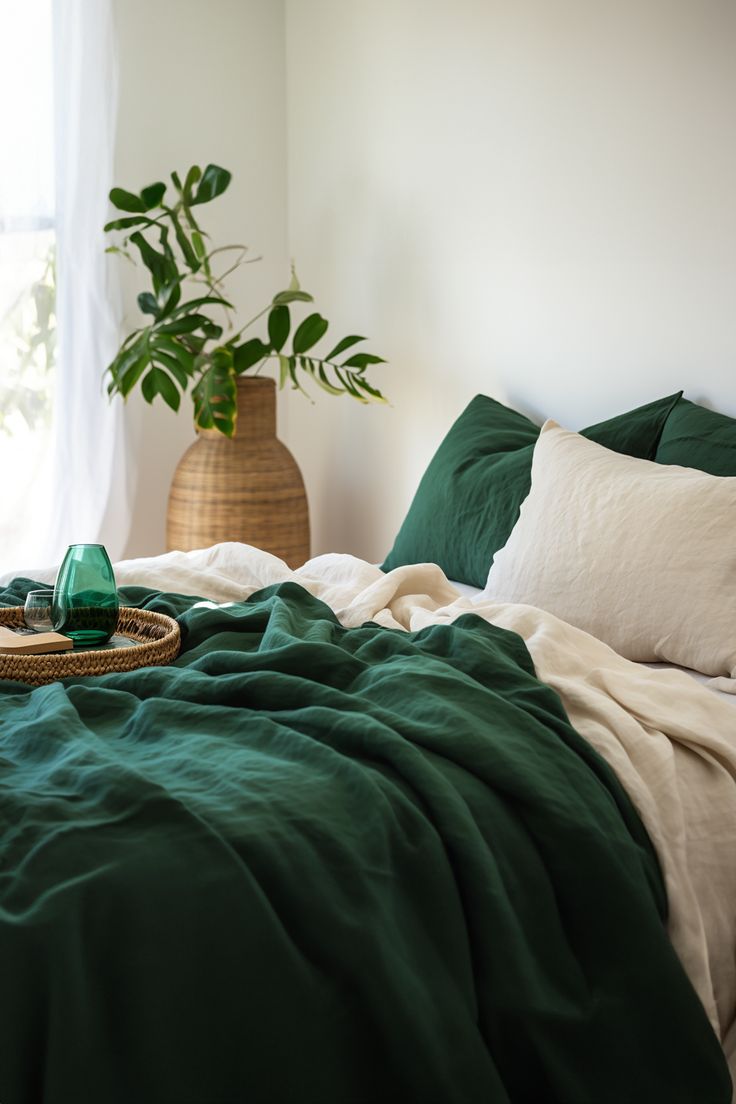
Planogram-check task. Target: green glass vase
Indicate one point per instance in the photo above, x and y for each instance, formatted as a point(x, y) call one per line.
point(85, 605)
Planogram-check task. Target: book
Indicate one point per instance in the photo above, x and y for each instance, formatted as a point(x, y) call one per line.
point(18, 643)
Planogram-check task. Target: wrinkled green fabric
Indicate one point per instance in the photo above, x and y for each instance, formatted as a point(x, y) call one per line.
point(310, 864)
point(469, 498)
point(695, 437)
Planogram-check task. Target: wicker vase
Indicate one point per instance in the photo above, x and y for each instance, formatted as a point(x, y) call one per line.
point(247, 488)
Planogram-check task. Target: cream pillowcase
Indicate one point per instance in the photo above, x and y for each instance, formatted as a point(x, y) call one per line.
point(640, 555)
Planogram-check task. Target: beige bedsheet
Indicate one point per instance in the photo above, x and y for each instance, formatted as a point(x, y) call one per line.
point(714, 685)
point(671, 741)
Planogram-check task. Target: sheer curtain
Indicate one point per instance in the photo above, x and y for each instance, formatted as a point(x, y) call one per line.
point(27, 242)
point(64, 449)
point(92, 476)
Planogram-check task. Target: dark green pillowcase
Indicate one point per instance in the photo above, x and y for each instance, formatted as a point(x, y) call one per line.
point(698, 438)
point(468, 500)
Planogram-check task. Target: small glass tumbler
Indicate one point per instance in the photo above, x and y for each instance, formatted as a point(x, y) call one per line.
point(85, 603)
point(37, 610)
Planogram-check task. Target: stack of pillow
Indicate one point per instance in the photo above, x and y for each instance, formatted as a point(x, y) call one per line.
point(627, 530)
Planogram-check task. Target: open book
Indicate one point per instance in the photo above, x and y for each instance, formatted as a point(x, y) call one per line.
point(15, 643)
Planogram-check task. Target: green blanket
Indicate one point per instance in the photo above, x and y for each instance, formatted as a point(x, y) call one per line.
point(310, 864)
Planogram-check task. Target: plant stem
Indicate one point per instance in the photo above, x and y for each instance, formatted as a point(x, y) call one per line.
point(258, 369)
point(247, 324)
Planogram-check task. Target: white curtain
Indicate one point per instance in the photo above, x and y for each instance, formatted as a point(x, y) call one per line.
point(27, 238)
point(91, 478)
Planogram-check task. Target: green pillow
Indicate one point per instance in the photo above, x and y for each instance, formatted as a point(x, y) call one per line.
point(698, 438)
point(468, 500)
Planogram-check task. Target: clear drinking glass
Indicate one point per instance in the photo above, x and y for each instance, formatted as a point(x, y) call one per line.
point(37, 610)
point(85, 605)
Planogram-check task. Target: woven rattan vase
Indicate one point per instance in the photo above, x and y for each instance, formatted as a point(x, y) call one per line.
point(247, 488)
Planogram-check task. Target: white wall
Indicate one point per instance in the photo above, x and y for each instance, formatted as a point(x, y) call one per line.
point(531, 198)
point(202, 82)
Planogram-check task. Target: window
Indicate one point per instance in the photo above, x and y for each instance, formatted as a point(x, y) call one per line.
point(27, 284)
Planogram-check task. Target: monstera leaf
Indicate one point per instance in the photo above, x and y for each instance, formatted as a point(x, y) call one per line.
point(215, 395)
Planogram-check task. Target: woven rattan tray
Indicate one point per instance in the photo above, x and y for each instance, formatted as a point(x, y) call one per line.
point(157, 642)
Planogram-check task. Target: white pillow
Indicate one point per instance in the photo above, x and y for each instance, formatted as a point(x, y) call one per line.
point(640, 555)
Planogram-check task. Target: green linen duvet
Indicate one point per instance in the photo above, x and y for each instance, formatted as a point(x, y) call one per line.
point(312, 864)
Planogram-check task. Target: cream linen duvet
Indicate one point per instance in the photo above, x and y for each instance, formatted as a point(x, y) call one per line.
point(671, 741)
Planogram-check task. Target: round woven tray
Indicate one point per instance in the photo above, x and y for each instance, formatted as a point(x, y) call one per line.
point(158, 640)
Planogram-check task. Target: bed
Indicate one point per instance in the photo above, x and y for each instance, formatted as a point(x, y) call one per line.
point(374, 835)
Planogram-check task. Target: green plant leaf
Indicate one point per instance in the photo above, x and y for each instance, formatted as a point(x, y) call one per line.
point(285, 297)
point(152, 195)
point(174, 348)
point(248, 354)
point(190, 180)
point(325, 384)
point(195, 343)
point(198, 245)
point(168, 297)
point(148, 304)
point(130, 362)
point(132, 336)
point(349, 386)
point(279, 324)
point(283, 370)
point(213, 183)
point(133, 374)
point(158, 382)
point(163, 270)
point(167, 250)
point(309, 333)
point(361, 361)
point(185, 245)
point(343, 345)
point(132, 367)
point(185, 325)
point(126, 201)
point(291, 362)
point(374, 393)
point(197, 237)
point(211, 329)
point(215, 396)
point(177, 181)
point(205, 300)
point(172, 365)
point(128, 222)
point(122, 252)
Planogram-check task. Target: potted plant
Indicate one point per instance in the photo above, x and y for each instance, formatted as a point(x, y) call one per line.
point(237, 481)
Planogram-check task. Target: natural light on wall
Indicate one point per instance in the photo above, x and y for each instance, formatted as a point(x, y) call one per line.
point(27, 247)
